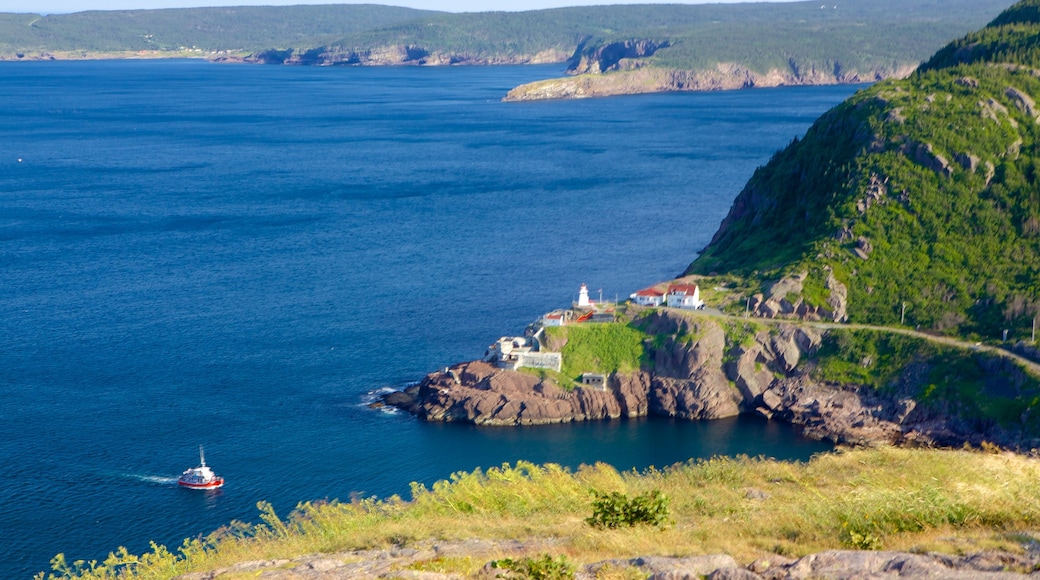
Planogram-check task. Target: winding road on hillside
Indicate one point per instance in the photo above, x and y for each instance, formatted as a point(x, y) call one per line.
point(1031, 367)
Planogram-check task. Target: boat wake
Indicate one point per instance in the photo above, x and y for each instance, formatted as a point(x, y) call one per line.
point(156, 479)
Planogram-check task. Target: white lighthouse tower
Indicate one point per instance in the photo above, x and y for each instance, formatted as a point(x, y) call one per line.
point(583, 297)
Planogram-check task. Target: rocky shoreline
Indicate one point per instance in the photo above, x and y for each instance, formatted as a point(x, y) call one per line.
point(407, 562)
point(724, 76)
point(769, 374)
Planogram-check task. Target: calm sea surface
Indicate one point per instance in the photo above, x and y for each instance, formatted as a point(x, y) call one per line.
point(240, 256)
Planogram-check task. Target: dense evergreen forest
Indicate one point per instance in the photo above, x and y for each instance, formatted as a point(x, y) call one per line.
point(883, 35)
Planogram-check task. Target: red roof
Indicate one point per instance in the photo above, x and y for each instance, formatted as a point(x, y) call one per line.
point(682, 288)
point(649, 292)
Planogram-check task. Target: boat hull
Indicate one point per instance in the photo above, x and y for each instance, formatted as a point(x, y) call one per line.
point(208, 485)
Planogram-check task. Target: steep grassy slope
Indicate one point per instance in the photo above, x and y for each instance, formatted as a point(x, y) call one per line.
point(920, 195)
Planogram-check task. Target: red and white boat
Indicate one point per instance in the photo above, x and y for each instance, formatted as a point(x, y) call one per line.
point(201, 477)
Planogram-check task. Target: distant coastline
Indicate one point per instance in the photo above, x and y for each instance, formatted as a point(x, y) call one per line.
point(604, 50)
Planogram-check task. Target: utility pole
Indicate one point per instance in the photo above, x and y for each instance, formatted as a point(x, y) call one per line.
point(1034, 329)
point(902, 315)
point(747, 307)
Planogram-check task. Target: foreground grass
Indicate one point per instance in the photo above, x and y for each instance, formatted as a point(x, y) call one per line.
point(899, 499)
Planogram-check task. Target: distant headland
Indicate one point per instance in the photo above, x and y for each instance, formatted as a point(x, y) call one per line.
point(605, 50)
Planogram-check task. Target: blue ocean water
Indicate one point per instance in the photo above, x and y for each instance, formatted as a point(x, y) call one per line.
point(240, 256)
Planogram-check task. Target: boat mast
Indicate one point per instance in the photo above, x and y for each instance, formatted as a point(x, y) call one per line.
point(202, 456)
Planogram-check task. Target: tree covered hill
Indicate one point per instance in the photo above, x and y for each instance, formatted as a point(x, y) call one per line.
point(238, 28)
point(919, 198)
point(878, 35)
point(882, 35)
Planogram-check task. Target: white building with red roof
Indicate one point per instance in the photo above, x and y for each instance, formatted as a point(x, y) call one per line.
point(648, 297)
point(685, 296)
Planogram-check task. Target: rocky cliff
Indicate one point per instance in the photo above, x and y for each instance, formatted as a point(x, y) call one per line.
point(392, 55)
point(702, 367)
point(631, 79)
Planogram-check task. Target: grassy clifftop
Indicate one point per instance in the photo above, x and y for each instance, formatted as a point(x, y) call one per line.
point(919, 195)
point(898, 499)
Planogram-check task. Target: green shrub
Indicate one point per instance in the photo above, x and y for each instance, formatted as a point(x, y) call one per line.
point(615, 510)
point(544, 568)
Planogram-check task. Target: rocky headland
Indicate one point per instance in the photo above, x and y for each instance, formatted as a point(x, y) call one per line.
point(701, 367)
point(628, 78)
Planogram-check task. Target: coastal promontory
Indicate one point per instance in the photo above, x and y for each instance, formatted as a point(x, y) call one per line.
point(877, 280)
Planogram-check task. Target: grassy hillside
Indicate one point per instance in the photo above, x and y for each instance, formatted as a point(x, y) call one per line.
point(883, 35)
point(896, 499)
point(921, 195)
point(239, 28)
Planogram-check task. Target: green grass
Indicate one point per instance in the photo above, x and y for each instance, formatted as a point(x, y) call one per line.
point(980, 388)
point(600, 348)
point(897, 499)
point(958, 243)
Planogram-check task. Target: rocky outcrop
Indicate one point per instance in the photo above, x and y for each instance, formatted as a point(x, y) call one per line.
point(613, 56)
point(785, 297)
point(724, 76)
point(402, 562)
point(769, 372)
point(394, 55)
point(486, 395)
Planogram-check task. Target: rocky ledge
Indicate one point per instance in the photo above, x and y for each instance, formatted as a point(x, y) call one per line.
point(408, 562)
point(697, 374)
point(724, 76)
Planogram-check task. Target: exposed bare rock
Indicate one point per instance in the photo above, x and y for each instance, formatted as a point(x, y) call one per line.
point(664, 568)
point(1023, 101)
point(924, 154)
point(896, 116)
point(995, 111)
point(613, 56)
point(397, 562)
point(785, 300)
point(392, 55)
point(697, 374)
point(876, 192)
point(778, 302)
point(967, 161)
point(750, 373)
point(707, 395)
point(842, 564)
point(841, 416)
point(863, 248)
point(838, 300)
point(724, 76)
point(681, 361)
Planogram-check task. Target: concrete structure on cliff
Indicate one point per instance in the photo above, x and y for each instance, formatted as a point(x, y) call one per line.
point(514, 352)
